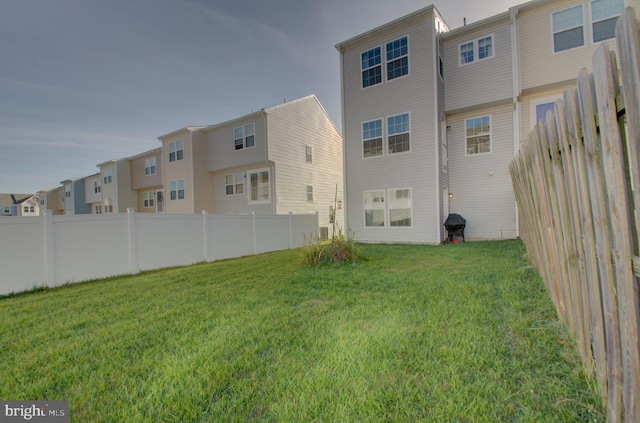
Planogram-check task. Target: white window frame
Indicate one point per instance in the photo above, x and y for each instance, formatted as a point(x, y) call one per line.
point(148, 198)
point(108, 205)
point(381, 65)
point(553, 31)
point(387, 61)
point(67, 190)
point(107, 175)
point(98, 209)
point(388, 134)
point(243, 134)
point(308, 153)
point(466, 137)
point(365, 209)
point(237, 183)
point(533, 103)
point(475, 49)
point(310, 193)
point(177, 149)
point(96, 187)
point(150, 166)
point(176, 186)
point(388, 205)
point(259, 188)
point(382, 138)
point(593, 21)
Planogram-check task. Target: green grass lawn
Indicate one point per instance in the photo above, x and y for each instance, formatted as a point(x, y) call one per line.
point(416, 333)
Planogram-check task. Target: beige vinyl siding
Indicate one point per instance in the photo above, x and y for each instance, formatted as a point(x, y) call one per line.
point(221, 152)
point(203, 180)
point(526, 111)
point(413, 94)
point(140, 180)
point(540, 66)
point(482, 81)
point(179, 169)
point(239, 203)
point(480, 183)
point(126, 196)
point(292, 127)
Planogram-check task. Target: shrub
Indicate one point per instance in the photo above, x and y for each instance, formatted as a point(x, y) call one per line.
point(339, 249)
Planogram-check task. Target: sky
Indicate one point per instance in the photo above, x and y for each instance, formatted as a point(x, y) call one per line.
point(86, 81)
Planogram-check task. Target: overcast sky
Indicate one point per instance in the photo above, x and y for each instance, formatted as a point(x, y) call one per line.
point(86, 81)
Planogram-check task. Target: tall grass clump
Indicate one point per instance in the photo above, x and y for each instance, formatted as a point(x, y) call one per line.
point(339, 249)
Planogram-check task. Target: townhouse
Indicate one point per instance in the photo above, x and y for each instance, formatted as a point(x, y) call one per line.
point(280, 159)
point(18, 205)
point(432, 117)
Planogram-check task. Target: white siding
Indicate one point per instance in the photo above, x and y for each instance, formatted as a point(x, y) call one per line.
point(480, 183)
point(292, 127)
point(413, 93)
point(482, 81)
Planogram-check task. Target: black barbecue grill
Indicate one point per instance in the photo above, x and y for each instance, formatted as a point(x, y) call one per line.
point(455, 228)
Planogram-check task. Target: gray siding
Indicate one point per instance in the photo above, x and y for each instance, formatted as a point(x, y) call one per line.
point(480, 82)
point(480, 184)
point(78, 195)
point(417, 169)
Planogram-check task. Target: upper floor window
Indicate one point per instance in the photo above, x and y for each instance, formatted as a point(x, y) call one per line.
point(398, 130)
point(107, 174)
point(244, 136)
point(67, 191)
point(176, 189)
point(234, 183)
point(397, 58)
point(478, 135)
point(259, 186)
point(150, 166)
point(308, 154)
point(604, 15)
point(310, 193)
point(176, 150)
point(568, 29)
point(476, 50)
point(371, 67)
point(96, 187)
point(372, 138)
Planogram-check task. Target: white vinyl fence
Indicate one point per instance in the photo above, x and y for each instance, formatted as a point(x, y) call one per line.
point(55, 250)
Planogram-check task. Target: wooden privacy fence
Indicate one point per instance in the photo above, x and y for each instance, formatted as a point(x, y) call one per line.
point(577, 181)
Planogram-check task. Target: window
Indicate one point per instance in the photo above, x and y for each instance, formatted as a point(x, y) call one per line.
point(98, 209)
point(604, 15)
point(244, 136)
point(541, 111)
point(309, 154)
point(371, 67)
point(476, 50)
point(568, 30)
point(372, 138)
point(400, 207)
point(234, 183)
point(67, 191)
point(107, 174)
point(25, 209)
point(374, 208)
point(309, 192)
point(149, 200)
point(42, 202)
point(176, 189)
point(108, 205)
point(478, 135)
point(397, 58)
point(398, 130)
point(176, 150)
point(150, 166)
point(96, 187)
point(32, 209)
point(259, 186)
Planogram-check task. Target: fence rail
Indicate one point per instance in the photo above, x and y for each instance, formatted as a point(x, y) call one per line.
point(54, 250)
point(577, 184)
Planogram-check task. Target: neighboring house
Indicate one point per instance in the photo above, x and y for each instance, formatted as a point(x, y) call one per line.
point(117, 194)
point(29, 206)
point(93, 193)
point(432, 117)
point(51, 199)
point(10, 204)
point(146, 180)
point(74, 197)
point(281, 159)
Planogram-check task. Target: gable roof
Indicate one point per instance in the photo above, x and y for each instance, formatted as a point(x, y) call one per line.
point(13, 199)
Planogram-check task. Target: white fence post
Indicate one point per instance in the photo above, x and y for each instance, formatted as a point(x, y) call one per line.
point(290, 229)
point(131, 226)
point(255, 234)
point(49, 252)
point(205, 234)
